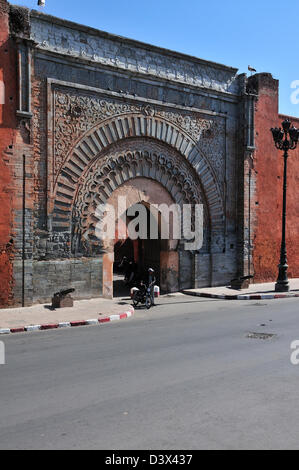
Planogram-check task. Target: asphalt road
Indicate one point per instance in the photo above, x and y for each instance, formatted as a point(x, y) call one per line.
point(181, 376)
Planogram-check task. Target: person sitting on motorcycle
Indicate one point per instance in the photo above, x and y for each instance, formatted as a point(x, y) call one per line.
point(142, 288)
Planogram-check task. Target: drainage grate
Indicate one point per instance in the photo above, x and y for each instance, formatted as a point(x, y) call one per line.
point(261, 335)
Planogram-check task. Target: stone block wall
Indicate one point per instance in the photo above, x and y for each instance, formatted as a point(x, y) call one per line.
point(84, 275)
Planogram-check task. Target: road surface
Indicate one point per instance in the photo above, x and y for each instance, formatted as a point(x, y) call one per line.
point(182, 376)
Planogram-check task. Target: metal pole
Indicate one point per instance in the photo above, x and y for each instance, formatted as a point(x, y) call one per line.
point(285, 139)
point(282, 284)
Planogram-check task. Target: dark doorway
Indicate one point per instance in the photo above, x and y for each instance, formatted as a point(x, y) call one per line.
point(144, 252)
point(123, 248)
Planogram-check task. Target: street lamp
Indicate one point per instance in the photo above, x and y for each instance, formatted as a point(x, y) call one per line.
point(285, 139)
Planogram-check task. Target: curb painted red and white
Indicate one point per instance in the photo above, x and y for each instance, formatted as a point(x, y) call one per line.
point(52, 326)
point(240, 297)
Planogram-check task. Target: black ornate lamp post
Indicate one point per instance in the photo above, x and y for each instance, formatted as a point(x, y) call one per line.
point(285, 139)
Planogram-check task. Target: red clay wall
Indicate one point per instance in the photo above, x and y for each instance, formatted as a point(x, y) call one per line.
point(7, 136)
point(268, 164)
point(293, 207)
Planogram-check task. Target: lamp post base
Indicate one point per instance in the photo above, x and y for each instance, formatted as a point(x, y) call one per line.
point(282, 286)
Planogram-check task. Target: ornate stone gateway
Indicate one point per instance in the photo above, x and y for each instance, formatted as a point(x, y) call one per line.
point(117, 143)
point(90, 116)
point(104, 116)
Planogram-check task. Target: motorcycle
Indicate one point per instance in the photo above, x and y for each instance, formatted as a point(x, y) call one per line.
point(142, 296)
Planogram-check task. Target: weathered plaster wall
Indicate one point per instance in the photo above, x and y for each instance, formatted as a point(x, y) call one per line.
point(268, 175)
point(7, 136)
point(292, 207)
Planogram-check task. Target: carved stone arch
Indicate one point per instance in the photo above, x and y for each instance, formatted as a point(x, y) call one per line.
point(152, 161)
point(109, 134)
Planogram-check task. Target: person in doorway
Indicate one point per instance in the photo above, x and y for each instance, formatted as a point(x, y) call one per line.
point(151, 283)
point(125, 266)
point(132, 272)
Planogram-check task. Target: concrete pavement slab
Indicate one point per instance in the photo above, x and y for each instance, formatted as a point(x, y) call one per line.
point(263, 291)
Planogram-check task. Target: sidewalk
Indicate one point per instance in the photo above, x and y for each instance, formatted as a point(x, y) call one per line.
point(254, 292)
point(84, 312)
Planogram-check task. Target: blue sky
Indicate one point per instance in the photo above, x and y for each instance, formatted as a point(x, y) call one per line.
point(261, 33)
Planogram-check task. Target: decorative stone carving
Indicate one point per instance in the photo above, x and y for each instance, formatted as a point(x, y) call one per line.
point(77, 112)
point(104, 175)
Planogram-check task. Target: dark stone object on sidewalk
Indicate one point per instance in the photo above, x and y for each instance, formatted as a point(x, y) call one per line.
point(63, 299)
point(240, 282)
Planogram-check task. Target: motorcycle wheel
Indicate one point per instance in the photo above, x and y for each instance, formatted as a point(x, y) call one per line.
point(135, 300)
point(148, 302)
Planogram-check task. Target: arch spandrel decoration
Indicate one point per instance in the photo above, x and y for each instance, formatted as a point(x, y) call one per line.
point(115, 130)
point(76, 112)
point(97, 141)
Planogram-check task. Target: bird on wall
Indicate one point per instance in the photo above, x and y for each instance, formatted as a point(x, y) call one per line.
point(251, 69)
